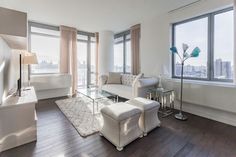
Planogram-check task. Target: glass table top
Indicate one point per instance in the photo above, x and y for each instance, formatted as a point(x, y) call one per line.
point(160, 90)
point(95, 93)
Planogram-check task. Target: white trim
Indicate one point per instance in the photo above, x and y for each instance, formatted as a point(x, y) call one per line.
point(210, 113)
point(202, 82)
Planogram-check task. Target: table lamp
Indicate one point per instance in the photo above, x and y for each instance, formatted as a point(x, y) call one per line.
point(28, 59)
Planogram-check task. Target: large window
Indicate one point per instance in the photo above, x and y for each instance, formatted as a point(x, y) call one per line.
point(86, 57)
point(122, 52)
point(45, 42)
point(213, 34)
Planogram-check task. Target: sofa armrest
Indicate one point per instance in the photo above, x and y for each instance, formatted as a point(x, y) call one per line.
point(146, 82)
point(103, 80)
point(141, 86)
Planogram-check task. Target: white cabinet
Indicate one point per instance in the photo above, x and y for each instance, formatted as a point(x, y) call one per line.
point(18, 120)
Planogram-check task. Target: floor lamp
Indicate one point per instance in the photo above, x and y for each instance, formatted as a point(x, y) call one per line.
point(28, 59)
point(186, 56)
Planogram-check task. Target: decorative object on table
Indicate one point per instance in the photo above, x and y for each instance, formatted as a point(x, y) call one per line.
point(195, 53)
point(160, 83)
point(28, 59)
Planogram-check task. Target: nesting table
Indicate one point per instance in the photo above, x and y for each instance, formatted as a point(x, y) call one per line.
point(165, 97)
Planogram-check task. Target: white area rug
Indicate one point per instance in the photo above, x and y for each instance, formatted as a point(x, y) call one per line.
point(79, 112)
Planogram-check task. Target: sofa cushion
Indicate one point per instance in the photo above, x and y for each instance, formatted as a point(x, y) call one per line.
point(143, 103)
point(119, 89)
point(114, 78)
point(120, 111)
point(127, 79)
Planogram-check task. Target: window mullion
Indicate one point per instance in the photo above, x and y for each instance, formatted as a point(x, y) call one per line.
point(210, 47)
point(124, 57)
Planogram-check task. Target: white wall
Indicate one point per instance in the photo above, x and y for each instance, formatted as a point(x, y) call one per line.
point(209, 100)
point(106, 52)
point(8, 69)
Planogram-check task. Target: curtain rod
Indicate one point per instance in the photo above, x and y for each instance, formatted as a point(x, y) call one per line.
point(185, 6)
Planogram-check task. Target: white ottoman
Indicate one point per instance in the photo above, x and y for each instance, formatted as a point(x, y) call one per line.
point(121, 124)
point(149, 117)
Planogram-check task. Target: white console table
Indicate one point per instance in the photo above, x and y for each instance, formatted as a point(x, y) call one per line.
point(18, 120)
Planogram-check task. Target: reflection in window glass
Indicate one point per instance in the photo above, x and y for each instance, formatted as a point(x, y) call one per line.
point(128, 57)
point(82, 63)
point(223, 45)
point(194, 67)
point(118, 57)
point(47, 51)
point(93, 63)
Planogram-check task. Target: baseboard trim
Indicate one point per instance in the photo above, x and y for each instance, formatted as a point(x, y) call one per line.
point(210, 113)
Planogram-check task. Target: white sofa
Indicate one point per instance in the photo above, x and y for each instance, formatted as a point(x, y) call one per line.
point(130, 87)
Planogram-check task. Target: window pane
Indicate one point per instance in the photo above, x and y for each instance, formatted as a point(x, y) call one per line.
point(120, 39)
point(82, 63)
point(45, 31)
point(194, 33)
point(118, 57)
point(82, 37)
point(93, 63)
point(223, 45)
point(93, 39)
point(128, 36)
point(47, 50)
point(128, 57)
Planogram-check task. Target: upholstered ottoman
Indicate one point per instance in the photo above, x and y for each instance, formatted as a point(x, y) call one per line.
point(121, 124)
point(149, 117)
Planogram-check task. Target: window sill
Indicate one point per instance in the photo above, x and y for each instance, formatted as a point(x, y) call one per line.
point(205, 83)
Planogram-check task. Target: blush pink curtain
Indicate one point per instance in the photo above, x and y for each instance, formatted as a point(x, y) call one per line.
point(135, 48)
point(68, 54)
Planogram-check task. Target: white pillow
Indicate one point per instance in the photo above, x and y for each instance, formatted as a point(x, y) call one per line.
point(114, 78)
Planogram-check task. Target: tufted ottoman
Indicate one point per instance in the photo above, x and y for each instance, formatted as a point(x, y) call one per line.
point(149, 118)
point(121, 124)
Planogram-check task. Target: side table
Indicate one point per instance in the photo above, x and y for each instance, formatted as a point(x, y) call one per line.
point(165, 97)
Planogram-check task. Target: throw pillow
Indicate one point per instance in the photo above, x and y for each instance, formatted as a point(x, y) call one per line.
point(114, 78)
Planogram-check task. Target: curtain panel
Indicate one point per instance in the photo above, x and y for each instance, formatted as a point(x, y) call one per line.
point(68, 54)
point(135, 49)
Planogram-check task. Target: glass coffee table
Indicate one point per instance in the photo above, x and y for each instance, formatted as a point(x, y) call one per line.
point(96, 94)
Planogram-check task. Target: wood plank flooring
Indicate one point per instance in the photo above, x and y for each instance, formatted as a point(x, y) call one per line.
point(197, 137)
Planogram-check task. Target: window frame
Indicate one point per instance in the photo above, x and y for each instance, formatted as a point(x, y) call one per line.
point(89, 41)
point(44, 26)
point(210, 46)
point(124, 40)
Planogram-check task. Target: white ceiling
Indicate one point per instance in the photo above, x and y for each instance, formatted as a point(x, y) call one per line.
point(93, 15)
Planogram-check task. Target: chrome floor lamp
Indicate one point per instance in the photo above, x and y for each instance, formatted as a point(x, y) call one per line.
point(195, 53)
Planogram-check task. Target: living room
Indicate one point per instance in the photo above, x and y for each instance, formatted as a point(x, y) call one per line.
point(127, 78)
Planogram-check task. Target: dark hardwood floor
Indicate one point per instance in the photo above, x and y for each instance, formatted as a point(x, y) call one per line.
point(197, 137)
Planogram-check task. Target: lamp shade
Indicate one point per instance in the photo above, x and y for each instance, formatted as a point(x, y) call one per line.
point(195, 52)
point(173, 49)
point(30, 58)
